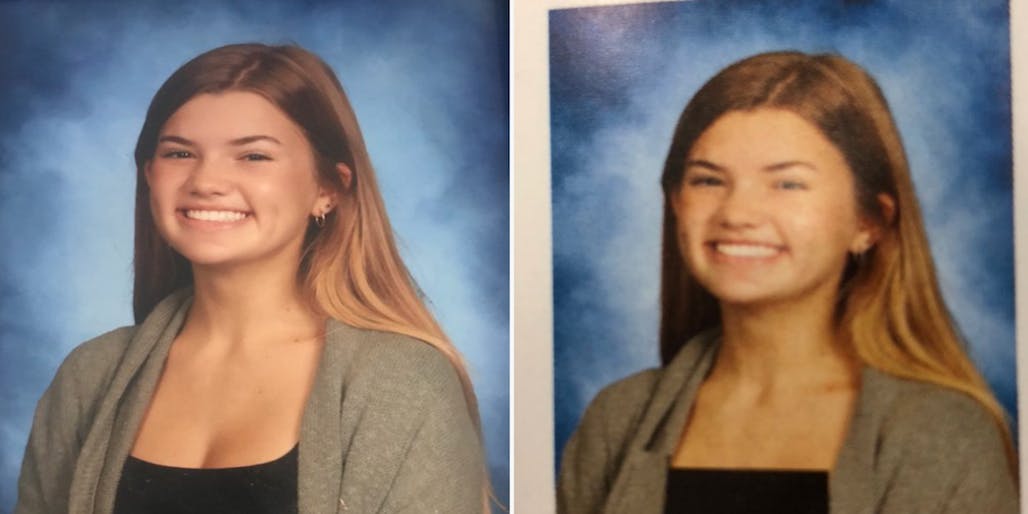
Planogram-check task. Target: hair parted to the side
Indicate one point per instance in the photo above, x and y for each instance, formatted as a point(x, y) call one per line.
point(890, 309)
point(350, 269)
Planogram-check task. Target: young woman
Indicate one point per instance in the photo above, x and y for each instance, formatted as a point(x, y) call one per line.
point(283, 360)
point(810, 363)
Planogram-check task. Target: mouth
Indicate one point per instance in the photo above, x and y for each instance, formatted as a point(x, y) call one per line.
point(216, 216)
point(745, 250)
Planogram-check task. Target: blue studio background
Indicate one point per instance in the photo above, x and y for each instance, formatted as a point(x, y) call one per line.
point(621, 75)
point(428, 82)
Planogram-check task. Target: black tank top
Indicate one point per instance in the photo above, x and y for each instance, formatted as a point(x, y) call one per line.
point(147, 488)
point(744, 491)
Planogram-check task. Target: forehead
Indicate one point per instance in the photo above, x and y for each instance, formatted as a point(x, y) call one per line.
point(215, 117)
point(763, 136)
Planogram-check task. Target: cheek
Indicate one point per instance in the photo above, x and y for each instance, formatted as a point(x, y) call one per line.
point(162, 208)
point(692, 216)
point(162, 190)
point(272, 190)
point(690, 228)
point(295, 197)
point(826, 228)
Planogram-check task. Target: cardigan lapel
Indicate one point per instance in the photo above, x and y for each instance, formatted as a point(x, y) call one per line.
point(851, 487)
point(320, 472)
point(640, 485)
point(113, 432)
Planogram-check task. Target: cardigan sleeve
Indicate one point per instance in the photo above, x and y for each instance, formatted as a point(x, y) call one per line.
point(60, 423)
point(53, 446)
point(942, 452)
point(593, 454)
point(442, 468)
point(984, 487)
point(414, 447)
point(584, 479)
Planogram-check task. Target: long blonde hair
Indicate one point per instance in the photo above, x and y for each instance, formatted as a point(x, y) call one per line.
point(890, 308)
point(350, 269)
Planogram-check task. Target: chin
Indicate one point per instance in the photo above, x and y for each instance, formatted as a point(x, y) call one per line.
point(743, 299)
point(198, 255)
point(743, 294)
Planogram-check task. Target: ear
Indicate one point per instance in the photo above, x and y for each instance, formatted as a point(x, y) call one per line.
point(328, 198)
point(147, 172)
point(888, 206)
point(871, 230)
point(325, 202)
point(345, 173)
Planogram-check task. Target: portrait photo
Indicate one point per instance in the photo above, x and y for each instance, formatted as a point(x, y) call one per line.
point(428, 85)
point(619, 142)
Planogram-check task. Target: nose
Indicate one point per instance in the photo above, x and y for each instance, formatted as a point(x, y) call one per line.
point(207, 179)
point(741, 206)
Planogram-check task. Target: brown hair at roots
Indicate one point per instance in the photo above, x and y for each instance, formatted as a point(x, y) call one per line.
point(890, 309)
point(350, 269)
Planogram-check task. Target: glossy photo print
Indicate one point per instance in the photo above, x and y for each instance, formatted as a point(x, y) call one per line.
point(428, 86)
point(619, 79)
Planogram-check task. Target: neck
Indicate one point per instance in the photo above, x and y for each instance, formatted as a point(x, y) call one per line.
point(782, 343)
point(244, 306)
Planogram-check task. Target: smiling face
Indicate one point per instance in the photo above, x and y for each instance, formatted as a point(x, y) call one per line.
point(233, 180)
point(766, 211)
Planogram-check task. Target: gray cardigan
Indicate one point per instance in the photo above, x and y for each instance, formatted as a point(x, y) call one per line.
point(911, 448)
point(386, 428)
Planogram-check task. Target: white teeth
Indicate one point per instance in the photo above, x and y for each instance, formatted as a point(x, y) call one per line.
point(745, 250)
point(215, 215)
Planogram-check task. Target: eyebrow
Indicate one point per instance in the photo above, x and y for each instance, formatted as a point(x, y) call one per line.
point(175, 139)
point(778, 166)
point(700, 163)
point(235, 142)
point(251, 139)
point(771, 168)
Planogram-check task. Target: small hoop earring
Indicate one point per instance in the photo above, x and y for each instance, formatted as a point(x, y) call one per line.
point(319, 220)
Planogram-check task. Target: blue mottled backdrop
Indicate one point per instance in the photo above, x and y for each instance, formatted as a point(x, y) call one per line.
point(428, 82)
point(620, 76)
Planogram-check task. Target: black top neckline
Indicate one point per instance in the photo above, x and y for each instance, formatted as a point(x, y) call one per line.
point(287, 456)
point(701, 469)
